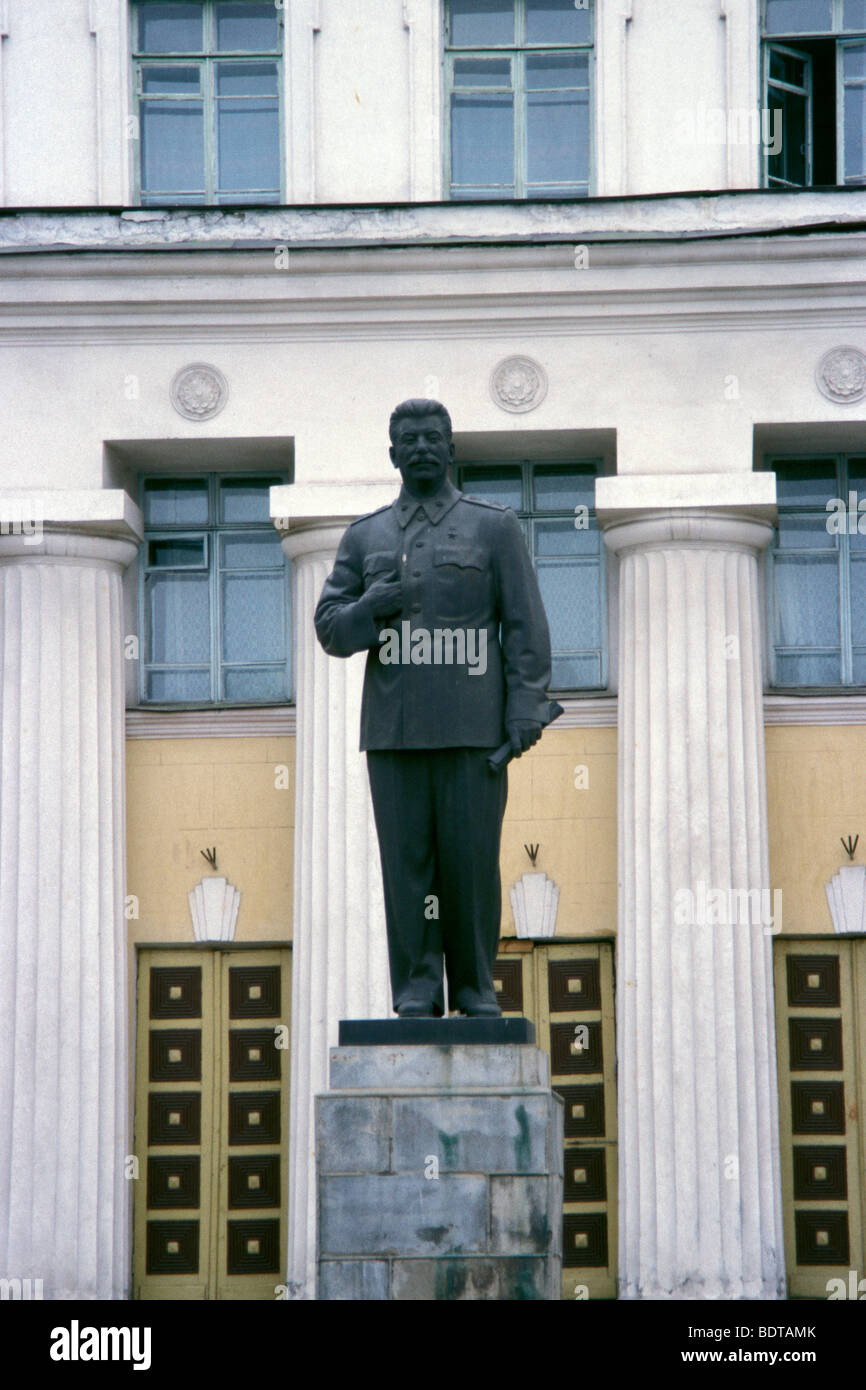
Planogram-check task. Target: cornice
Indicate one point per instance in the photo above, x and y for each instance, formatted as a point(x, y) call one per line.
point(280, 721)
point(645, 218)
point(451, 293)
point(277, 721)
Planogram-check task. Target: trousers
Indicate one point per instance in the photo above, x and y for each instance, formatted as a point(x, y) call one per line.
point(439, 817)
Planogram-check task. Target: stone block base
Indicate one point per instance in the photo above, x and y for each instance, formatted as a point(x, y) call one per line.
point(439, 1174)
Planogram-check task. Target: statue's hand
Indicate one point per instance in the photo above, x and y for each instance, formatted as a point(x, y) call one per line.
point(385, 597)
point(523, 733)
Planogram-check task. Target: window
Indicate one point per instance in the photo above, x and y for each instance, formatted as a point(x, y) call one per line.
point(214, 593)
point(815, 76)
point(518, 79)
point(817, 569)
point(555, 505)
point(207, 84)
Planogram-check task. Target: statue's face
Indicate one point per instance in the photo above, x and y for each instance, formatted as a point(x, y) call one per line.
point(422, 452)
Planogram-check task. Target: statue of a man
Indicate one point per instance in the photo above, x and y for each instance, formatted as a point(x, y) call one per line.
point(439, 588)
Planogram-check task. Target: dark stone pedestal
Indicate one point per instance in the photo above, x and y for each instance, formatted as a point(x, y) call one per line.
point(440, 1032)
point(439, 1170)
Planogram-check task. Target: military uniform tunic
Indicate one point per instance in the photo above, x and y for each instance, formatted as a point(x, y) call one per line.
point(464, 565)
point(428, 727)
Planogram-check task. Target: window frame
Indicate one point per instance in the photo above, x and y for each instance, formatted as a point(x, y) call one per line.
point(204, 61)
point(842, 553)
point(807, 91)
point(517, 52)
point(841, 38)
point(212, 530)
point(528, 516)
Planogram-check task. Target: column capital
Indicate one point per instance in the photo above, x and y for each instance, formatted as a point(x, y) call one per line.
point(83, 525)
point(731, 510)
point(313, 516)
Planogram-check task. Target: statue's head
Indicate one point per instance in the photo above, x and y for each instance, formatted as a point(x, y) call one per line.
point(416, 410)
point(421, 444)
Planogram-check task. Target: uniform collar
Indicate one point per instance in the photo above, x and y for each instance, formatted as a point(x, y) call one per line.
point(435, 507)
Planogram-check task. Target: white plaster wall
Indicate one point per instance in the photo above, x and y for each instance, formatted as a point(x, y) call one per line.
point(49, 104)
point(682, 351)
point(363, 113)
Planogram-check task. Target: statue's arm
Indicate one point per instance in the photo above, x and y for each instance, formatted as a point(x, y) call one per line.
point(344, 620)
point(524, 633)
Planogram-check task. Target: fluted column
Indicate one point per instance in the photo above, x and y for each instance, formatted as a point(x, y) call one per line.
point(700, 1191)
point(339, 953)
point(64, 1118)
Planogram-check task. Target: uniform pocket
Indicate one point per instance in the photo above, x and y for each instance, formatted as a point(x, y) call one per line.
point(377, 563)
point(461, 583)
point(463, 556)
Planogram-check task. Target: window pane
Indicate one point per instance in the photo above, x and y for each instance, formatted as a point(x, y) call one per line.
point(482, 141)
point(170, 28)
point(807, 601)
point(170, 81)
point(855, 14)
point(482, 72)
point(168, 687)
point(172, 146)
point(252, 28)
point(246, 499)
point(183, 551)
point(175, 503)
point(558, 21)
point(572, 601)
point(804, 533)
point(807, 669)
point(178, 611)
point(546, 70)
point(496, 484)
point(255, 550)
point(857, 485)
point(858, 598)
point(557, 138)
point(854, 60)
point(799, 16)
point(786, 67)
point(811, 485)
point(246, 79)
point(248, 142)
point(564, 538)
point(561, 490)
point(477, 23)
point(252, 617)
point(255, 683)
point(575, 672)
point(855, 130)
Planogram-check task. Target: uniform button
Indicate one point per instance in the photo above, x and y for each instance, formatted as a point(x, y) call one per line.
point(416, 574)
point(419, 543)
point(416, 608)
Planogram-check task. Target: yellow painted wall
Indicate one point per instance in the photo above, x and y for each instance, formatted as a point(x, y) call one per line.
point(575, 827)
point(816, 793)
point(186, 795)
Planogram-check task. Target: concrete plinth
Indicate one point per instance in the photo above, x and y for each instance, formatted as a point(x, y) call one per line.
point(439, 1174)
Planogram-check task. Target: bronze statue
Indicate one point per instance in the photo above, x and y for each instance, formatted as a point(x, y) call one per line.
point(439, 588)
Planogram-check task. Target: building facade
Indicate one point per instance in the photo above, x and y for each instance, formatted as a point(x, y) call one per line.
point(624, 242)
